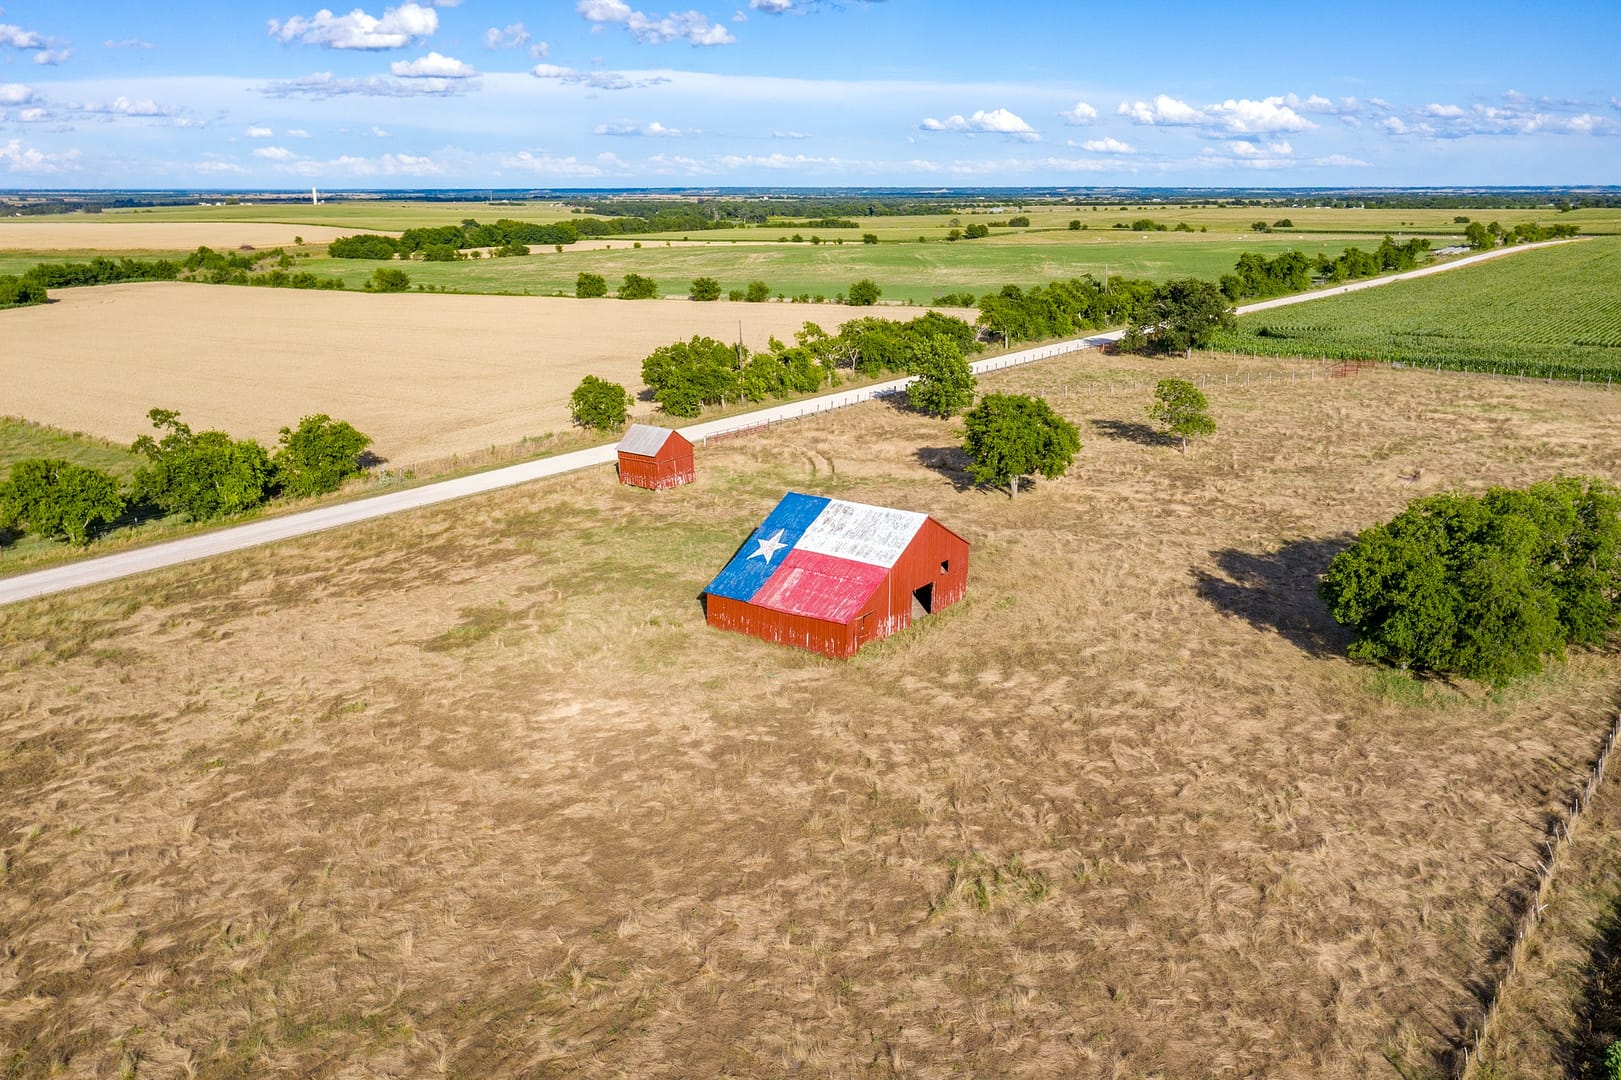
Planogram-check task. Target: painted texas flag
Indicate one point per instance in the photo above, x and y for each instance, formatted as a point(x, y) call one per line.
point(821, 558)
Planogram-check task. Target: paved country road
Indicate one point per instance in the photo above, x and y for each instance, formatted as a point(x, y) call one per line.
point(174, 552)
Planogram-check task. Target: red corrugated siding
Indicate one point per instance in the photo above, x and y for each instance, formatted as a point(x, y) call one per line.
point(889, 610)
point(672, 467)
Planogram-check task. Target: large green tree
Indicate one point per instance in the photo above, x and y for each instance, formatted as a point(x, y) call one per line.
point(705, 288)
point(598, 403)
point(637, 287)
point(1011, 436)
point(944, 385)
point(318, 455)
point(1182, 408)
point(687, 375)
point(589, 286)
point(1186, 312)
point(204, 475)
point(55, 498)
point(1486, 586)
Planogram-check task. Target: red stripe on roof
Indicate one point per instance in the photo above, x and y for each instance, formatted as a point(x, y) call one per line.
point(820, 586)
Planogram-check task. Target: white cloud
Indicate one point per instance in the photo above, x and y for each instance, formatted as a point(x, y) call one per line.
point(275, 153)
point(259, 133)
point(777, 161)
point(33, 116)
point(1241, 116)
point(539, 51)
point(15, 94)
point(378, 133)
point(506, 37)
point(772, 7)
point(1340, 161)
point(18, 38)
point(17, 159)
point(789, 135)
point(323, 84)
point(432, 66)
point(350, 165)
point(297, 133)
point(128, 43)
point(53, 56)
point(596, 80)
point(991, 122)
point(1245, 148)
point(1081, 114)
point(1108, 145)
point(140, 108)
point(225, 167)
point(654, 129)
point(1164, 109)
point(689, 26)
point(397, 28)
point(551, 165)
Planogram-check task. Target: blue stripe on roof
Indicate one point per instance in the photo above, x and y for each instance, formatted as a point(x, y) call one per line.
point(750, 567)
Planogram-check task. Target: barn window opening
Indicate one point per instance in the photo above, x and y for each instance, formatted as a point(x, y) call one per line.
point(923, 600)
point(945, 566)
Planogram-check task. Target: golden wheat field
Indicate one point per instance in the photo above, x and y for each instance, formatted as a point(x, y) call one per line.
point(426, 376)
point(113, 235)
point(474, 792)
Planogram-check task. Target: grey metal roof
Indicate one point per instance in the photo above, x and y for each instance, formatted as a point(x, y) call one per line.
point(644, 440)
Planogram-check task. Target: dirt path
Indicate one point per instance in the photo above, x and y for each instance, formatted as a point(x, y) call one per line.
point(175, 552)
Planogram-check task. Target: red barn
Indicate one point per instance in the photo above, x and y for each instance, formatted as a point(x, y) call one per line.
point(655, 457)
point(831, 576)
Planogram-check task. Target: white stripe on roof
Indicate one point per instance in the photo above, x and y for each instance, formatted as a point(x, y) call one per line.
point(871, 534)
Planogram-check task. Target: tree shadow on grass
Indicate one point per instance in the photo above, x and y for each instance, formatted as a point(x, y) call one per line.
point(1133, 431)
point(1277, 591)
point(369, 460)
point(1598, 1016)
point(950, 462)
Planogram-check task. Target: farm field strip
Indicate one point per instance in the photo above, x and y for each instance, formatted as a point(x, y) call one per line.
point(1555, 312)
point(123, 564)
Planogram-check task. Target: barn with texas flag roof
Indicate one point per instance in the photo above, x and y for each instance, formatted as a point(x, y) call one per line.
point(831, 576)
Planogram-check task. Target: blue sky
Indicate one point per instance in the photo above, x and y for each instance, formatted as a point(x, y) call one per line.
point(609, 93)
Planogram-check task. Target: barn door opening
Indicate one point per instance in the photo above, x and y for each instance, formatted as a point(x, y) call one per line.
point(922, 601)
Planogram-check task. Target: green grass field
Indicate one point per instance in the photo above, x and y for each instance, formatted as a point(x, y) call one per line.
point(1555, 311)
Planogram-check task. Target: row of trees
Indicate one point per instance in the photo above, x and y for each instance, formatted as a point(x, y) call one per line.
point(1255, 276)
point(1483, 237)
point(1484, 586)
point(202, 475)
point(863, 293)
point(441, 242)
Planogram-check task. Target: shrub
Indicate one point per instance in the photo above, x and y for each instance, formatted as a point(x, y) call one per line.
point(1180, 407)
point(318, 455)
point(944, 385)
point(864, 293)
point(705, 288)
point(598, 403)
point(587, 286)
point(203, 476)
point(758, 292)
point(388, 279)
point(20, 292)
point(58, 499)
point(637, 287)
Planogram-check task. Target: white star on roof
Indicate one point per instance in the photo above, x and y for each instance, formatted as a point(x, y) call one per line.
point(769, 546)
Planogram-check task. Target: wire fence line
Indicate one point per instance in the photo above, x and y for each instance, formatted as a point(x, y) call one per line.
point(1466, 1058)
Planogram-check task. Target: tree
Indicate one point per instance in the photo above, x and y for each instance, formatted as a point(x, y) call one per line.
point(758, 292)
point(688, 375)
point(388, 279)
point(1479, 236)
point(590, 286)
point(869, 238)
point(976, 231)
point(598, 403)
point(1010, 436)
point(1020, 222)
point(944, 385)
point(58, 499)
point(1180, 407)
point(318, 455)
point(705, 288)
point(1487, 586)
point(864, 293)
point(202, 476)
point(1184, 314)
point(637, 287)
point(20, 291)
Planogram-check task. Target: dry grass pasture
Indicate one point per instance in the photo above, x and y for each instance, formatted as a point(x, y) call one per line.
point(474, 792)
point(425, 375)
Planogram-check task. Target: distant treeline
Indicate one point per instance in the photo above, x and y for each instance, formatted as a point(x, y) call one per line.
point(205, 265)
point(434, 242)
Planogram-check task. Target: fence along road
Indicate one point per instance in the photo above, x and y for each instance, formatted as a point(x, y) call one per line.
point(286, 526)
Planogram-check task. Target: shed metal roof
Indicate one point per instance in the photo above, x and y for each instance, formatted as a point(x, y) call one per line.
point(644, 440)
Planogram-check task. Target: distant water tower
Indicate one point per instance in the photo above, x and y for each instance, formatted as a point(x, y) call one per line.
point(315, 198)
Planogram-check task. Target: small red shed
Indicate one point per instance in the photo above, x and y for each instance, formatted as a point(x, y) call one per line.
point(831, 576)
point(656, 458)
